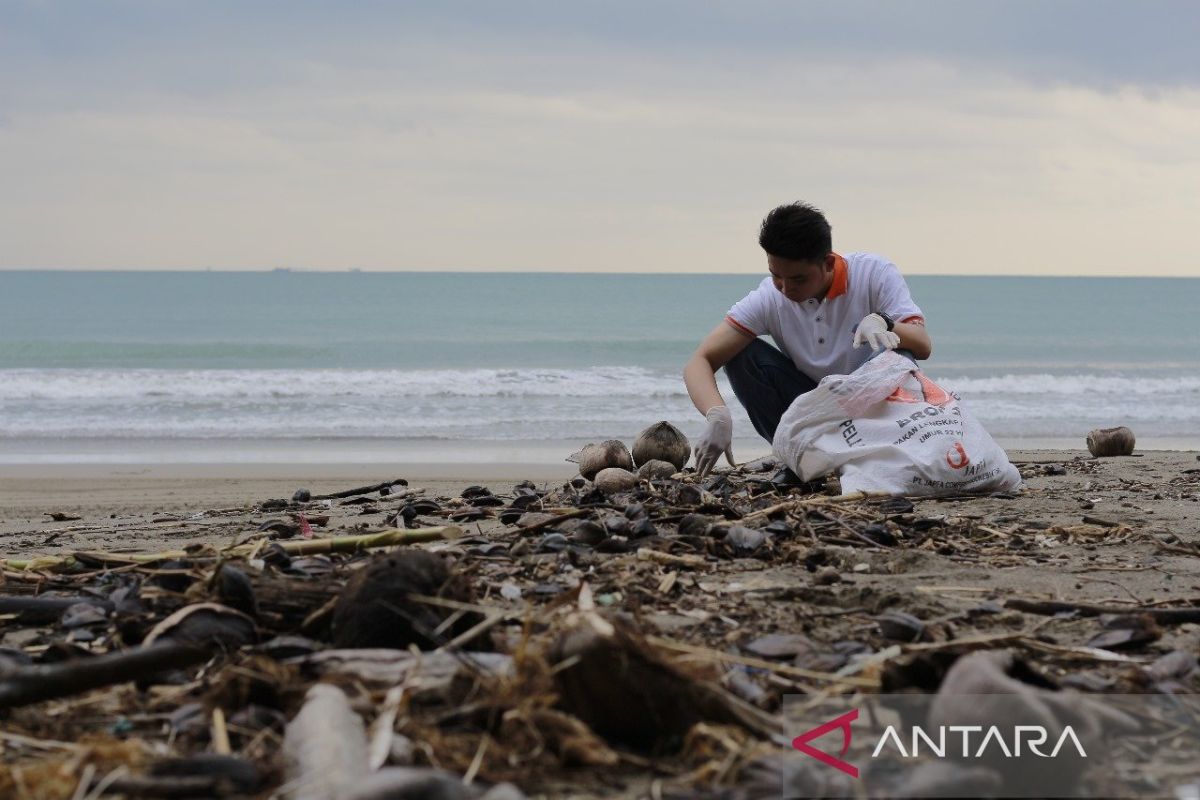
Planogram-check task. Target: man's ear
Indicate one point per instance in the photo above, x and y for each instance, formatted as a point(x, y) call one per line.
point(828, 264)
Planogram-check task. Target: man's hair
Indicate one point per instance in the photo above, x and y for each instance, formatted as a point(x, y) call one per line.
point(797, 231)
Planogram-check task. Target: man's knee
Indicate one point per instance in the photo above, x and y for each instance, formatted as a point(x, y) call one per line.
point(755, 359)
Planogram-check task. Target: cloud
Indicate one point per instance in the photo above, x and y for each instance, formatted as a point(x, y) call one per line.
point(581, 136)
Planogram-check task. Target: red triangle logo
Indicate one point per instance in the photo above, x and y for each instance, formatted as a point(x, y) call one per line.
point(841, 723)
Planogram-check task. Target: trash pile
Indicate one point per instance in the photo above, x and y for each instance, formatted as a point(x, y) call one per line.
point(537, 641)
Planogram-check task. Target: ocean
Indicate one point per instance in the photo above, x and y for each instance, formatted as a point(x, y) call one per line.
point(311, 366)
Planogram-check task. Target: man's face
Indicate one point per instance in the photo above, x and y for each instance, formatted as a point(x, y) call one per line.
point(801, 280)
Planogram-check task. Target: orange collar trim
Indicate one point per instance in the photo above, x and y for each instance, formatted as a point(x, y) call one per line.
point(841, 278)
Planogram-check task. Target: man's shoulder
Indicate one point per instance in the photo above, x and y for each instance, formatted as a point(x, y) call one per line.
point(875, 268)
point(865, 260)
point(765, 290)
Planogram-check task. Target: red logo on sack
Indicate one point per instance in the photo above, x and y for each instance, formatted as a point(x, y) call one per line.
point(957, 457)
point(931, 393)
point(841, 723)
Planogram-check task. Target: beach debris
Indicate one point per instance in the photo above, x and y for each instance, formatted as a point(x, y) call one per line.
point(35, 683)
point(204, 775)
point(569, 630)
point(614, 479)
point(60, 516)
point(381, 605)
point(656, 470)
point(628, 691)
point(325, 746)
point(235, 590)
point(595, 457)
point(983, 688)
point(1105, 442)
point(205, 625)
point(361, 490)
point(662, 441)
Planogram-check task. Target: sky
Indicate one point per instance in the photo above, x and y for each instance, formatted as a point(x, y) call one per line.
point(1020, 137)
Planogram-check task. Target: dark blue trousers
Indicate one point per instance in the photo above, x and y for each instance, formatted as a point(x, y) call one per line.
point(766, 382)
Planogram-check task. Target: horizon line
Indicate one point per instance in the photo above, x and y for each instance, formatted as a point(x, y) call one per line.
point(469, 271)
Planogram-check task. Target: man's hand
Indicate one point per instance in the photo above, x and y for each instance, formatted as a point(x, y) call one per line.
point(716, 439)
point(873, 330)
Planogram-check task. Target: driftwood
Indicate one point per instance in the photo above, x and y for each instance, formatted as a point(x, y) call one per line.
point(46, 609)
point(337, 544)
point(361, 490)
point(33, 684)
point(1169, 616)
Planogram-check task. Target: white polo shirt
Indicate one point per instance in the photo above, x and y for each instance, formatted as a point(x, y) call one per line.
point(818, 335)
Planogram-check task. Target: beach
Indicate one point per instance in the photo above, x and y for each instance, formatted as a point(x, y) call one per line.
point(147, 507)
point(868, 595)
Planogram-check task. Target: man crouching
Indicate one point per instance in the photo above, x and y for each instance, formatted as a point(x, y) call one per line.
point(819, 307)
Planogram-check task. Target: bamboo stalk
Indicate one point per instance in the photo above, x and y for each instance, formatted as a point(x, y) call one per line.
point(337, 544)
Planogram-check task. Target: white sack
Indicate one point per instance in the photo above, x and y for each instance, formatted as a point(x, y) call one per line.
point(887, 428)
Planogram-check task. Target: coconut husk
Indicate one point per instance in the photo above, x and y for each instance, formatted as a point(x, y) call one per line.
point(614, 479)
point(595, 457)
point(377, 608)
point(629, 691)
point(662, 441)
point(1106, 442)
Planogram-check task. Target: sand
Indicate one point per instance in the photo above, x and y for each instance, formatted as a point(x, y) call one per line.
point(153, 507)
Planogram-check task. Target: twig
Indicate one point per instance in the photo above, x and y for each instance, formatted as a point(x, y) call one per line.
point(220, 733)
point(476, 762)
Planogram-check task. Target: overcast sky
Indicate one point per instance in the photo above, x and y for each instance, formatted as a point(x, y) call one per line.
point(954, 137)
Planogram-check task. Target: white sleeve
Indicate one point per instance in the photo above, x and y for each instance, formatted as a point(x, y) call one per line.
point(751, 314)
point(890, 295)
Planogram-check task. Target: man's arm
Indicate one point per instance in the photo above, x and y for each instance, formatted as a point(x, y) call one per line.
point(714, 352)
point(914, 338)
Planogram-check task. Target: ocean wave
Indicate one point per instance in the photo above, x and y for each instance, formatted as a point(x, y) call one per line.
point(164, 385)
point(510, 404)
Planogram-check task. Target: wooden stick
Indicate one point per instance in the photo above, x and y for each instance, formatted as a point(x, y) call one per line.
point(360, 490)
point(1170, 616)
point(672, 560)
point(339, 544)
point(35, 683)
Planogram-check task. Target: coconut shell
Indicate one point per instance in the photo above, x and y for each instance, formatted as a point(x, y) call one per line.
point(656, 469)
point(662, 441)
point(595, 457)
point(615, 479)
point(1104, 442)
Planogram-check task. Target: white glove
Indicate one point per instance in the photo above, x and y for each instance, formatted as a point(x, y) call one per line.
point(716, 439)
point(873, 331)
